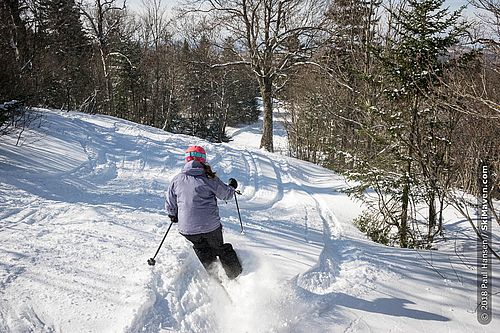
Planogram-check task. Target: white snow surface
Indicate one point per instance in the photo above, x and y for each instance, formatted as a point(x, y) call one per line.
point(81, 211)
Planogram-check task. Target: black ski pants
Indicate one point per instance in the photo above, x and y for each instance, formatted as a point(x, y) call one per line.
point(209, 246)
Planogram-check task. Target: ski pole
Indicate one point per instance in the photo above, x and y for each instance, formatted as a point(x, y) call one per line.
point(151, 261)
point(238, 207)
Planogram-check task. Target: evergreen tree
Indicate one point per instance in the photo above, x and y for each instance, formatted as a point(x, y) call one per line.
point(14, 50)
point(128, 84)
point(236, 90)
point(196, 88)
point(212, 96)
point(410, 135)
point(65, 54)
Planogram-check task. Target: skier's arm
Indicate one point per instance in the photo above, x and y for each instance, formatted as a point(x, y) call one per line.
point(171, 201)
point(222, 191)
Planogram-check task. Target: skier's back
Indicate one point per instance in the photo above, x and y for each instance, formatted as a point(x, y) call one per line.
point(192, 202)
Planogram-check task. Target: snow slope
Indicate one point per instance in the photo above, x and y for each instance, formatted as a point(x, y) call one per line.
point(81, 210)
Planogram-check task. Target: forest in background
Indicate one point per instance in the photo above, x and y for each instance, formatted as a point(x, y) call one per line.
point(400, 96)
point(98, 57)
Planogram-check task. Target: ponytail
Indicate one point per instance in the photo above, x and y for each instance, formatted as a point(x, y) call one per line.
point(208, 171)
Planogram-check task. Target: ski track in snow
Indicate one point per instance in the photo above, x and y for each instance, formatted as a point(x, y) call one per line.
point(81, 210)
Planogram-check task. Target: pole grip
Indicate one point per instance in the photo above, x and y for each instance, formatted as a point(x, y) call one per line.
point(238, 207)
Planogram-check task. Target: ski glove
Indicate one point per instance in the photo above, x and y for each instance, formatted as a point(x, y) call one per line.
point(233, 183)
point(173, 218)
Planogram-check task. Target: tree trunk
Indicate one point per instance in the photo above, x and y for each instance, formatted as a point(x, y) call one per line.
point(107, 80)
point(403, 227)
point(405, 198)
point(266, 141)
point(432, 214)
point(441, 208)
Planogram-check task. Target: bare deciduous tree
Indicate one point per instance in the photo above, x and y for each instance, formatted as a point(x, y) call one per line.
point(274, 35)
point(156, 37)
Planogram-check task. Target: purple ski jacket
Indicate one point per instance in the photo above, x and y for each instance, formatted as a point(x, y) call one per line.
point(192, 197)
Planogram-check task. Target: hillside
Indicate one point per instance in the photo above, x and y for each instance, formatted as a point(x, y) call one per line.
point(81, 210)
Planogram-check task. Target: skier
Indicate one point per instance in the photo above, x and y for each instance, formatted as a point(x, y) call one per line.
point(191, 201)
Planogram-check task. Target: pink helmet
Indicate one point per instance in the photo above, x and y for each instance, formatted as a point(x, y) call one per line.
point(196, 153)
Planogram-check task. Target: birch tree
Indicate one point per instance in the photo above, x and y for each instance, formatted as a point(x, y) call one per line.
point(103, 18)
